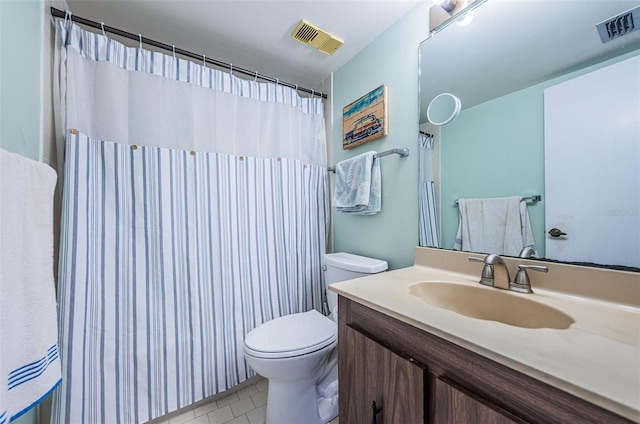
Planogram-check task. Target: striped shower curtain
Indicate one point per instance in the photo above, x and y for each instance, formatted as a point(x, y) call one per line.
point(428, 223)
point(171, 254)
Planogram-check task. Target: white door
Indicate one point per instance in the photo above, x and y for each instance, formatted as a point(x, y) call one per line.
point(592, 166)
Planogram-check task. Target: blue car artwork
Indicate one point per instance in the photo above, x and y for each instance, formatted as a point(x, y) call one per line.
point(364, 127)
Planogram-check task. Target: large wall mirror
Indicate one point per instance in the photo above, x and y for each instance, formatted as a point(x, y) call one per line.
point(507, 66)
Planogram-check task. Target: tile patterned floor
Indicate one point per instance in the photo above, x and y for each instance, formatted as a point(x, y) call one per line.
point(243, 404)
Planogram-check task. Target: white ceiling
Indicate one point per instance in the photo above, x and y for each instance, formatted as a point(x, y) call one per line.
point(253, 34)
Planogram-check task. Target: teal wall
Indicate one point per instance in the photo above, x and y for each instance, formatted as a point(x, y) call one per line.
point(20, 89)
point(496, 149)
point(391, 59)
point(493, 150)
point(20, 81)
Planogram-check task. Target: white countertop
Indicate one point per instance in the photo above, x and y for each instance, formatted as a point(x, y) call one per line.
point(597, 358)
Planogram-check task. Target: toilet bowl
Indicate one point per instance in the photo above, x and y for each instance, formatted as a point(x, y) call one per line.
point(294, 353)
point(297, 354)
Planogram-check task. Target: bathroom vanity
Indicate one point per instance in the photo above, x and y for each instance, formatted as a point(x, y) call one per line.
point(424, 363)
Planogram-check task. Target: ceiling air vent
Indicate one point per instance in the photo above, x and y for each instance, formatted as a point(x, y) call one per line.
point(310, 34)
point(620, 25)
point(330, 46)
point(305, 32)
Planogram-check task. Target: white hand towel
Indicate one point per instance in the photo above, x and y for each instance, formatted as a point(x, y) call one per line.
point(358, 185)
point(494, 225)
point(29, 364)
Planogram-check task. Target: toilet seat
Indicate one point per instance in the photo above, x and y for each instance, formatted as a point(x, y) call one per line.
point(291, 335)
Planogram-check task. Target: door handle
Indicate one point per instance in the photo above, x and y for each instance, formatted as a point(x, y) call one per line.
point(376, 411)
point(556, 232)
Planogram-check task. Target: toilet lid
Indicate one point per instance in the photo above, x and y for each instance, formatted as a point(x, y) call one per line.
point(291, 335)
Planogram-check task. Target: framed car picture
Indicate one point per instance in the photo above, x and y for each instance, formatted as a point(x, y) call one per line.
point(365, 119)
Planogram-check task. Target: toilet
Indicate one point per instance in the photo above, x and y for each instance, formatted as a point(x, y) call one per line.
point(297, 353)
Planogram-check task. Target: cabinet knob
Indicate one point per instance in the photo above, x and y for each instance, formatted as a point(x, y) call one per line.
point(376, 411)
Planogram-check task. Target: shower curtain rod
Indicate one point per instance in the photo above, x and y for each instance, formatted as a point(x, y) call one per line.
point(137, 37)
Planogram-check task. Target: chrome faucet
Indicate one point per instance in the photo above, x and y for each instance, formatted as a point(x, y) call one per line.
point(527, 252)
point(521, 284)
point(495, 272)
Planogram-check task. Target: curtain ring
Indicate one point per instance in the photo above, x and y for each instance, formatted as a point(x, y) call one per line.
point(231, 69)
point(140, 38)
point(313, 93)
point(174, 51)
point(255, 79)
point(104, 34)
point(67, 26)
point(67, 15)
point(277, 81)
point(204, 61)
point(296, 88)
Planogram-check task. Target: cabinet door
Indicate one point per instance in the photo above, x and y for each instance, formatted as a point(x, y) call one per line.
point(453, 404)
point(371, 373)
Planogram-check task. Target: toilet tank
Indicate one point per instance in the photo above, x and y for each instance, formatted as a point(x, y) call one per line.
point(346, 266)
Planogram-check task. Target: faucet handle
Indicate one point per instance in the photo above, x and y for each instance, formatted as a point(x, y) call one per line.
point(540, 268)
point(487, 271)
point(522, 284)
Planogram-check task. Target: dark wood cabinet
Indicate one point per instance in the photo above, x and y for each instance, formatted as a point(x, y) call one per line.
point(376, 374)
point(454, 404)
point(417, 377)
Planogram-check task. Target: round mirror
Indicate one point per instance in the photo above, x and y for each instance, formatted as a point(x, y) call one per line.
point(443, 109)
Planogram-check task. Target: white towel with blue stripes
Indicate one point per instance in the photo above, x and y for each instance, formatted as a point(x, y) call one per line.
point(29, 364)
point(358, 185)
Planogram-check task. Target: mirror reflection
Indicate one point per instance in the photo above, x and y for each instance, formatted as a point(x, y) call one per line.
point(549, 110)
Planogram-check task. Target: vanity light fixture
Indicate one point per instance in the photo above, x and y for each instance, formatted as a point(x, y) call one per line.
point(444, 12)
point(465, 19)
point(447, 5)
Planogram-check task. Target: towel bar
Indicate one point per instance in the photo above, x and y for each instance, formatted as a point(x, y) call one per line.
point(402, 152)
point(534, 198)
